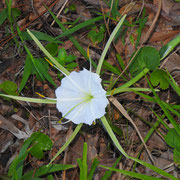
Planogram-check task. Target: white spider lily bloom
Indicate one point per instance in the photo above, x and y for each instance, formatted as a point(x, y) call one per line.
point(81, 98)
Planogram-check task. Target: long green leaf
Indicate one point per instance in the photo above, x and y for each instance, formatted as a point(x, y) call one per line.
point(93, 168)
point(28, 52)
point(163, 53)
point(44, 71)
point(84, 161)
point(72, 39)
point(124, 89)
point(108, 44)
point(40, 36)
point(27, 99)
point(119, 147)
point(38, 65)
point(16, 168)
point(62, 69)
point(168, 48)
point(45, 170)
point(73, 135)
point(27, 73)
point(111, 68)
point(148, 135)
point(3, 15)
point(168, 115)
point(80, 26)
point(9, 7)
point(129, 83)
point(131, 174)
point(107, 174)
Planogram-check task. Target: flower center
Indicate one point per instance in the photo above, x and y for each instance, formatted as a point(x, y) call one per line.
point(88, 97)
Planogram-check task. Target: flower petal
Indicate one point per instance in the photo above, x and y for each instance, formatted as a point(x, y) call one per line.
point(66, 99)
point(81, 97)
point(99, 105)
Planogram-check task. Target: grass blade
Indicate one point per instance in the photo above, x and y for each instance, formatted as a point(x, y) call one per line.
point(80, 26)
point(108, 44)
point(93, 168)
point(46, 169)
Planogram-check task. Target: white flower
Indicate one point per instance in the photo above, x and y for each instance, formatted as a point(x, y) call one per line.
point(81, 98)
